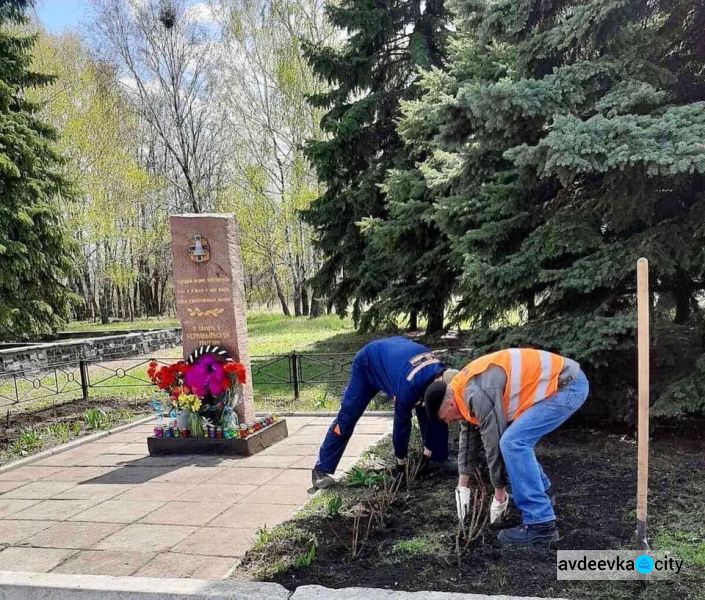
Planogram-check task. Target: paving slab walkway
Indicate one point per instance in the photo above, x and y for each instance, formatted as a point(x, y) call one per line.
point(108, 508)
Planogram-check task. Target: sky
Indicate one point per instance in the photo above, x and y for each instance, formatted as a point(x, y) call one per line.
point(61, 15)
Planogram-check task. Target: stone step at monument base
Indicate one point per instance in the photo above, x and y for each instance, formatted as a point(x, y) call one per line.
point(258, 441)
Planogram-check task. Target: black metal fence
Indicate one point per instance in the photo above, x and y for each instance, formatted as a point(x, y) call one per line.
point(299, 369)
point(36, 385)
point(285, 373)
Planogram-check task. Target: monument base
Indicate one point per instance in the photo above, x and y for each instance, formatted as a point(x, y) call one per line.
point(248, 446)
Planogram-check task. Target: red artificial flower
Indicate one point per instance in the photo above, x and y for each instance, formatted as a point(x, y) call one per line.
point(151, 370)
point(164, 377)
point(238, 370)
point(241, 373)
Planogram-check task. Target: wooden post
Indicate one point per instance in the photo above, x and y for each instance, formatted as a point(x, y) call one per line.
point(642, 292)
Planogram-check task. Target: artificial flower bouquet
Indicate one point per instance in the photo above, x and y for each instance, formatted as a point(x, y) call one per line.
point(202, 395)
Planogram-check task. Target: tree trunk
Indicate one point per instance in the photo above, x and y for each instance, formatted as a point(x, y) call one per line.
point(356, 312)
point(297, 298)
point(280, 292)
point(530, 307)
point(118, 303)
point(90, 294)
point(145, 288)
point(155, 295)
point(130, 304)
point(413, 321)
point(304, 301)
point(435, 319)
point(89, 304)
point(316, 309)
point(682, 298)
point(104, 303)
point(162, 301)
point(135, 298)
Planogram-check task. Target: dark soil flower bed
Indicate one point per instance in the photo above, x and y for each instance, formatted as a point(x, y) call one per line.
point(33, 431)
point(594, 474)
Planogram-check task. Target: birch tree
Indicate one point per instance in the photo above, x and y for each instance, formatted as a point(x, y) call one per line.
point(114, 217)
point(164, 57)
point(264, 80)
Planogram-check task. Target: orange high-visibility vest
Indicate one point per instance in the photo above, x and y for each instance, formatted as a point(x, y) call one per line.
point(532, 375)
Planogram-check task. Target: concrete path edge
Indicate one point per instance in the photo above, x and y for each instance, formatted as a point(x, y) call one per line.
point(55, 586)
point(318, 592)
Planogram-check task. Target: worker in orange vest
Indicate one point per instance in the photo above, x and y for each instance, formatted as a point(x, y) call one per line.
point(507, 401)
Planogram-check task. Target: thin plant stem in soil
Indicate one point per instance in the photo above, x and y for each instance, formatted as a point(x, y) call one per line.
point(412, 468)
point(377, 509)
point(357, 544)
point(472, 526)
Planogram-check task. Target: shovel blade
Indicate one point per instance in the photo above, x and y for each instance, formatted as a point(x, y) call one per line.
point(642, 542)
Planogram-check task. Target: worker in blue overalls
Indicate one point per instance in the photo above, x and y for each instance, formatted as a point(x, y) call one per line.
point(402, 369)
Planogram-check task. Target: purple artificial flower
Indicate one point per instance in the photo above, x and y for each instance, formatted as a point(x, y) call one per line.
point(207, 376)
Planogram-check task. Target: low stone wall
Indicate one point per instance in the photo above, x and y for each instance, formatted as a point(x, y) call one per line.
point(120, 345)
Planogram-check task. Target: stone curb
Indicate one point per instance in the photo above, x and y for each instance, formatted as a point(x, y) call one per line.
point(71, 445)
point(55, 586)
point(317, 592)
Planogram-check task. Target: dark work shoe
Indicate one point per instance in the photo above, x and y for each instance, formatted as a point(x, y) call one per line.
point(321, 480)
point(526, 535)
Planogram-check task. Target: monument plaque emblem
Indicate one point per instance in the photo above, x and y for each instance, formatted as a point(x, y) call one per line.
point(199, 250)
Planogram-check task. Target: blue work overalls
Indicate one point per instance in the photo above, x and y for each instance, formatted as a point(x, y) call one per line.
point(402, 369)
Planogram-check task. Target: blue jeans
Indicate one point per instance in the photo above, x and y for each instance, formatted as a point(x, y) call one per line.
point(529, 483)
point(434, 434)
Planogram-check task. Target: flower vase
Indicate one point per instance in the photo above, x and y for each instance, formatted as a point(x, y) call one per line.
point(183, 418)
point(238, 395)
point(195, 426)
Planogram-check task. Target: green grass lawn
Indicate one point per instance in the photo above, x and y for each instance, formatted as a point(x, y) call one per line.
point(146, 323)
point(269, 333)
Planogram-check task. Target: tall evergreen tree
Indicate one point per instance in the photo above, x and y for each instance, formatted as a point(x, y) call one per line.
point(34, 247)
point(567, 142)
point(369, 76)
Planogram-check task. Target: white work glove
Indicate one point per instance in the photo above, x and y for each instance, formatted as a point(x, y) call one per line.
point(462, 502)
point(497, 509)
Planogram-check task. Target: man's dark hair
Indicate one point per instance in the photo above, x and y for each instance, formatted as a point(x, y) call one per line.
point(433, 398)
